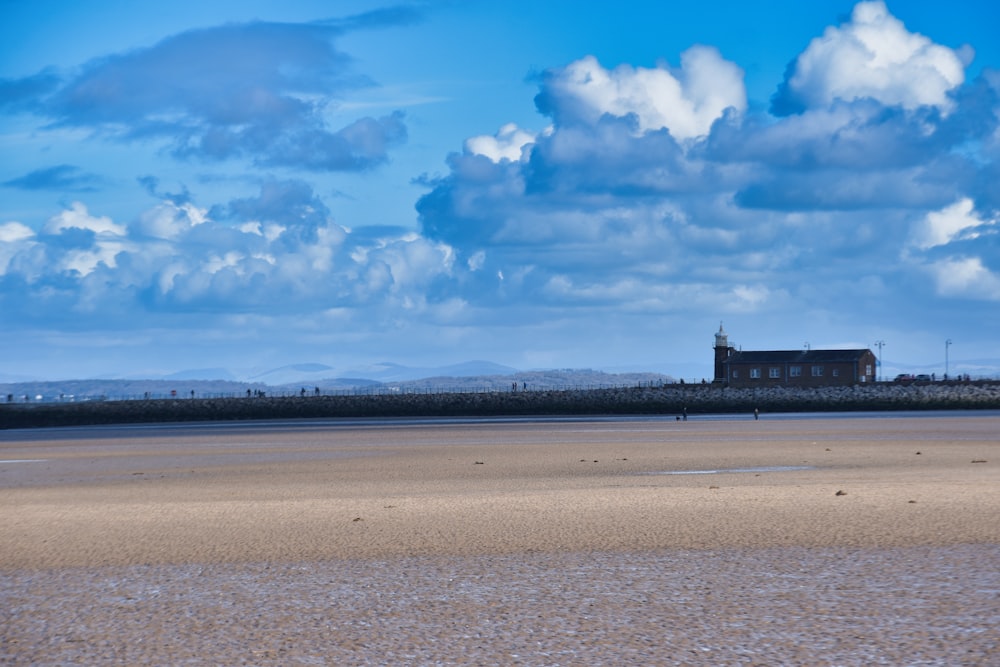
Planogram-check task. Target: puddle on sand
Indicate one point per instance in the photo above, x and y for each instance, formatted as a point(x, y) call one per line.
point(722, 471)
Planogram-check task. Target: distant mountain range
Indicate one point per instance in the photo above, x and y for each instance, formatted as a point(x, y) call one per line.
point(309, 377)
point(314, 372)
point(388, 376)
point(381, 372)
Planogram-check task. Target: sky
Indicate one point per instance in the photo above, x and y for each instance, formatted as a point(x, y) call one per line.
point(249, 184)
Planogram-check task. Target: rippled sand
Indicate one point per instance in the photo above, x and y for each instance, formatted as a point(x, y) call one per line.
point(559, 543)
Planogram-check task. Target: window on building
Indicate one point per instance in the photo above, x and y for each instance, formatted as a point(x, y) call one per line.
point(836, 372)
point(774, 373)
point(755, 373)
point(817, 371)
point(795, 371)
point(736, 373)
point(868, 369)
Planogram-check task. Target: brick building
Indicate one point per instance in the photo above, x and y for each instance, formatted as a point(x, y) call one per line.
point(790, 368)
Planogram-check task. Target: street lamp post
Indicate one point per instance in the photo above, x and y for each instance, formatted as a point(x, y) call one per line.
point(878, 361)
point(947, 344)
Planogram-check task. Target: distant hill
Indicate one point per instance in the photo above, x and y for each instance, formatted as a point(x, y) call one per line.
point(294, 373)
point(501, 378)
point(392, 372)
point(389, 377)
point(201, 374)
point(540, 379)
point(98, 389)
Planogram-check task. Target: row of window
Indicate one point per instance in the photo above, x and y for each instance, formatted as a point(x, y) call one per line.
point(774, 372)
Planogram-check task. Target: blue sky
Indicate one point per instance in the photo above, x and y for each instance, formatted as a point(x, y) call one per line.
point(246, 185)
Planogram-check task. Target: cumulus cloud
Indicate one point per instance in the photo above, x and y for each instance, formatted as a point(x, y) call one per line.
point(862, 134)
point(16, 239)
point(77, 217)
point(277, 252)
point(169, 220)
point(12, 232)
point(507, 144)
point(657, 193)
point(685, 101)
point(958, 248)
point(966, 277)
point(871, 56)
point(661, 191)
point(954, 222)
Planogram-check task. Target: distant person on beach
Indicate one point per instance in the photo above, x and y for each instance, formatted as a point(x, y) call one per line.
point(756, 414)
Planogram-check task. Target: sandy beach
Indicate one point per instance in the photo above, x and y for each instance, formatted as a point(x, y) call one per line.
point(865, 540)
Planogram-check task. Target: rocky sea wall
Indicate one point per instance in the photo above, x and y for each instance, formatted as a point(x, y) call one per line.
point(664, 400)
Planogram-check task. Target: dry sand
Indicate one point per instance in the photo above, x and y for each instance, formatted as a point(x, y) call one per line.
point(634, 541)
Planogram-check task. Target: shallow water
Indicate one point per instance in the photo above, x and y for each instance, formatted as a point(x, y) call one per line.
point(830, 606)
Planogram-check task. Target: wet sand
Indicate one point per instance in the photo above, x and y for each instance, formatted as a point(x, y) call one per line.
point(548, 543)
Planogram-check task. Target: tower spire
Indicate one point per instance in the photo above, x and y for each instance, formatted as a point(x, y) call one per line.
point(721, 338)
point(722, 352)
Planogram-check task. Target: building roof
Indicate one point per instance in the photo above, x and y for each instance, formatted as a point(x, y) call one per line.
point(796, 356)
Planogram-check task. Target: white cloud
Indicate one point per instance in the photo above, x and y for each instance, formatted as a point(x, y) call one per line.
point(413, 261)
point(645, 205)
point(77, 217)
point(951, 223)
point(15, 238)
point(86, 262)
point(64, 252)
point(875, 56)
point(269, 231)
point(966, 277)
point(507, 144)
point(180, 259)
point(170, 221)
point(686, 100)
point(216, 263)
point(750, 297)
point(12, 232)
point(477, 260)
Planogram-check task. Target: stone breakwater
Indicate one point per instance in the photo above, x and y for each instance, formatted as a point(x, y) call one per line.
point(665, 400)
